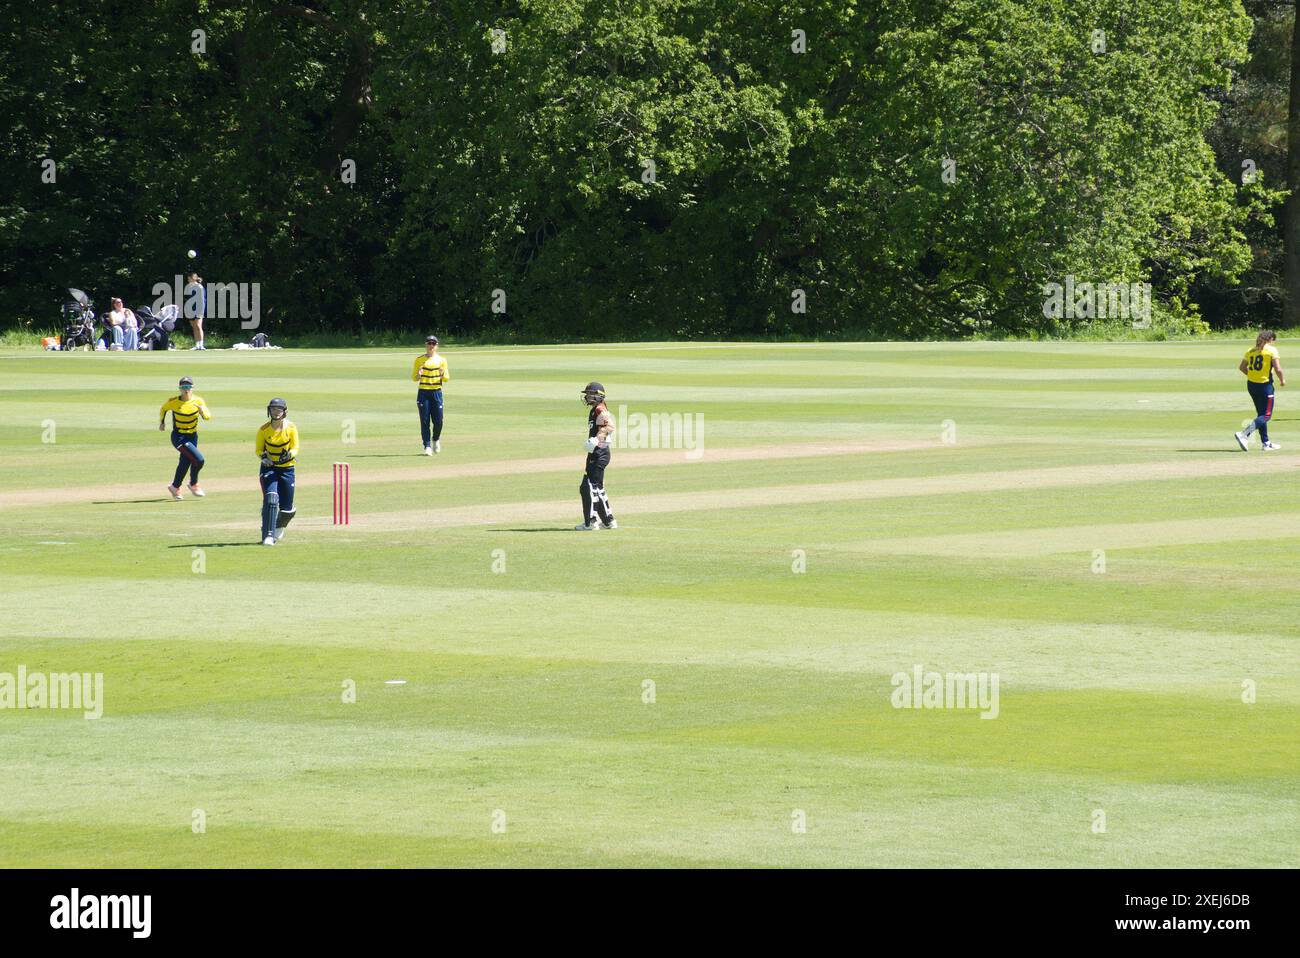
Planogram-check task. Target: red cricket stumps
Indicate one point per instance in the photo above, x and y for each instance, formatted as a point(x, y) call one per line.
point(342, 493)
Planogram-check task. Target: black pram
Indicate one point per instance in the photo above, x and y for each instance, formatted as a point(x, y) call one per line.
point(155, 331)
point(78, 327)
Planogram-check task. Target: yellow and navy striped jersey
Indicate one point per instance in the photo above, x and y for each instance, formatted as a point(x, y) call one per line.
point(430, 371)
point(273, 442)
point(185, 413)
point(1259, 363)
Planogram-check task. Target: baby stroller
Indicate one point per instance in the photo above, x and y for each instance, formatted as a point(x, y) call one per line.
point(78, 321)
point(155, 331)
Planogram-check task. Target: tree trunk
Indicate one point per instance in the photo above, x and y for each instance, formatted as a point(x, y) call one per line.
point(354, 99)
point(1291, 210)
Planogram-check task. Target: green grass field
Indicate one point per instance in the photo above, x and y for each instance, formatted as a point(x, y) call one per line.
point(522, 736)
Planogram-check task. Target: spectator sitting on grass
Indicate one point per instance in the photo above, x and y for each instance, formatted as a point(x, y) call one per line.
point(113, 326)
point(126, 330)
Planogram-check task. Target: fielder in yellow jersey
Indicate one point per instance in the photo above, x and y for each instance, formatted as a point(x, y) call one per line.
point(277, 449)
point(430, 371)
point(1260, 364)
point(186, 410)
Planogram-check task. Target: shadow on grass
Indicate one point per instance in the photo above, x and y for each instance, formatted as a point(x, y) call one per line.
point(1235, 452)
point(538, 529)
point(127, 502)
point(212, 545)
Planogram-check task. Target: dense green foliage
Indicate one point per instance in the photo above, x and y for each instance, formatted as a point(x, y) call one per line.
point(524, 169)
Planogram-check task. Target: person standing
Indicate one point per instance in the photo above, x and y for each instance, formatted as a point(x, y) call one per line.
point(186, 409)
point(277, 450)
point(596, 510)
point(196, 307)
point(1259, 365)
point(430, 371)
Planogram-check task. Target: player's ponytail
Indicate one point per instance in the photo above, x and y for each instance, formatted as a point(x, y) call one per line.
point(1265, 336)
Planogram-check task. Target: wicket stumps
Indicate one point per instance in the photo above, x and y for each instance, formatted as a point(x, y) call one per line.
point(342, 493)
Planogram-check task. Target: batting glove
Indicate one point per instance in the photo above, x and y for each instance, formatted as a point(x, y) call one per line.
point(591, 444)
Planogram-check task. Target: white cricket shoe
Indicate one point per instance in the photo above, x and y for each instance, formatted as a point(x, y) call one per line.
point(612, 524)
point(1242, 441)
point(437, 445)
point(175, 493)
point(587, 527)
point(428, 450)
point(269, 541)
point(1270, 446)
point(196, 490)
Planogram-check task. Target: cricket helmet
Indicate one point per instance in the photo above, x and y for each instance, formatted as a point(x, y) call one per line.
point(280, 404)
point(593, 394)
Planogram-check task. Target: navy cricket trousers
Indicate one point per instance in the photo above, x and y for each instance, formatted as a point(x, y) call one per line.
point(191, 459)
point(429, 402)
point(1262, 394)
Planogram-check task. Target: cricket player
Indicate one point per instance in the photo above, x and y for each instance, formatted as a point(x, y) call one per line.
point(277, 449)
point(596, 511)
point(1259, 365)
point(186, 410)
point(430, 371)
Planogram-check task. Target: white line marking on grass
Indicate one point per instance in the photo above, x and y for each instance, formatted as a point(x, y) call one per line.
point(907, 487)
point(1080, 539)
point(469, 470)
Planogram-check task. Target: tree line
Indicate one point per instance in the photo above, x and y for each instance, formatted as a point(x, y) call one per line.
point(565, 169)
